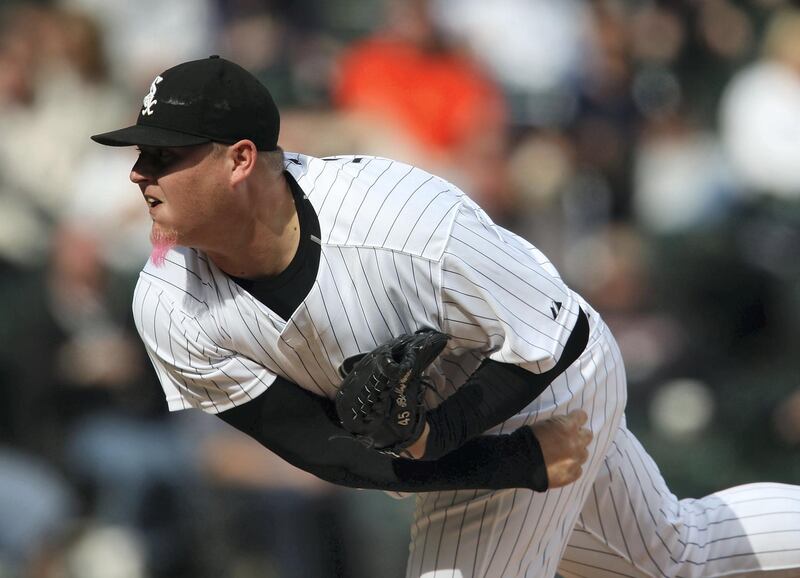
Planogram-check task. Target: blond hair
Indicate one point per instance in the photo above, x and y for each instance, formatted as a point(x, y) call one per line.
point(271, 160)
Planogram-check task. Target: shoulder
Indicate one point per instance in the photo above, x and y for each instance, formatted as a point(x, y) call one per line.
point(376, 202)
point(180, 297)
point(182, 279)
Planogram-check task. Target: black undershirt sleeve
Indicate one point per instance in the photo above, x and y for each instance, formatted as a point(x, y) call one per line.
point(302, 428)
point(492, 394)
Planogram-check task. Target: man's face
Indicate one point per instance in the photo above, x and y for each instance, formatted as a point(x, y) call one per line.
point(184, 188)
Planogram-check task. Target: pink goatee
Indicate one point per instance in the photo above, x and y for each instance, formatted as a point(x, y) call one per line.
point(162, 242)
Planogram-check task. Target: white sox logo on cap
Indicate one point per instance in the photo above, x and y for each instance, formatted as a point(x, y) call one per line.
point(150, 99)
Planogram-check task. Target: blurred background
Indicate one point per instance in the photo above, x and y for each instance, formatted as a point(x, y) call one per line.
point(651, 149)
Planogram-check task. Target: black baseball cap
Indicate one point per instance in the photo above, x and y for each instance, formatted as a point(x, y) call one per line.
point(201, 101)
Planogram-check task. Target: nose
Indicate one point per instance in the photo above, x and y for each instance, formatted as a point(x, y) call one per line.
point(139, 173)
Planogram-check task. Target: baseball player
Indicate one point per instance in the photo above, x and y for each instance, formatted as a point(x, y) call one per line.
point(273, 269)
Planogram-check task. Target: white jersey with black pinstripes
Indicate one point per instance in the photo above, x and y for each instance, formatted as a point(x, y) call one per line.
point(402, 249)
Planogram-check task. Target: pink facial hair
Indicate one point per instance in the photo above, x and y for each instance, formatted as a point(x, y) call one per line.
point(162, 242)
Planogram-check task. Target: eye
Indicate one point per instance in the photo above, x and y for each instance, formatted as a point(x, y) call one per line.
point(157, 157)
point(165, 156)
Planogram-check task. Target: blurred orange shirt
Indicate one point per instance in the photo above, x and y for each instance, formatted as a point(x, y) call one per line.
point(442, 99)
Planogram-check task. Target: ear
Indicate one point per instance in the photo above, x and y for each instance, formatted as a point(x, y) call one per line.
point(243, 155)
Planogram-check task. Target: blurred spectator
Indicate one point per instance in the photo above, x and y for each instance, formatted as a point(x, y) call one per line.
point(681, 178)
point(292, 47)
point(604, 128)
point(144, 37)
point(60, 94)
point(535, 48)
point(760, 114)
point(415, 98)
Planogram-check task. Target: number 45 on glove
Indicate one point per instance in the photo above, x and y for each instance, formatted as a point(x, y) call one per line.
point(380, 401)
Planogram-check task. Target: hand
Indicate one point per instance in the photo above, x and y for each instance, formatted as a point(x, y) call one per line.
point(380, 401)
point(416, 450)
point(564, 443)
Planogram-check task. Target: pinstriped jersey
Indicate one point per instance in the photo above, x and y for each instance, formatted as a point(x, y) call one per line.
point(401, 250)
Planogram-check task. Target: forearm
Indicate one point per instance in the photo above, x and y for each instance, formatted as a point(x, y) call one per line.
point(492, 394)
point(485, 462)
point(301, 428)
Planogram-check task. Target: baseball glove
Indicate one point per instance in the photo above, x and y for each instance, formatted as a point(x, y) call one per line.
point(380, 401)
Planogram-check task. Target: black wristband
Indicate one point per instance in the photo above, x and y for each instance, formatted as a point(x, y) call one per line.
point(512, 460)
point(533, 450)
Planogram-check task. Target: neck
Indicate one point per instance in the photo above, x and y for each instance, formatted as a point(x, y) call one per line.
point(263, 239)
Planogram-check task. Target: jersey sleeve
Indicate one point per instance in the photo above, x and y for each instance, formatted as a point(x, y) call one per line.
point(193, 365)
point(501, 296)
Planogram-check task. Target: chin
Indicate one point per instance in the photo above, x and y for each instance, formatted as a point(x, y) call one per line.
point(163, 240)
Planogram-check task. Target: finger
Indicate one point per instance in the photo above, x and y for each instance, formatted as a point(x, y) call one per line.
point(581, 416)
point(574, 419)
point(573, 474)
point(579, 449)
point(583, 436)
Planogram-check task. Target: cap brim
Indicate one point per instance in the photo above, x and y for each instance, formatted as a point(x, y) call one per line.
point(144, 135)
